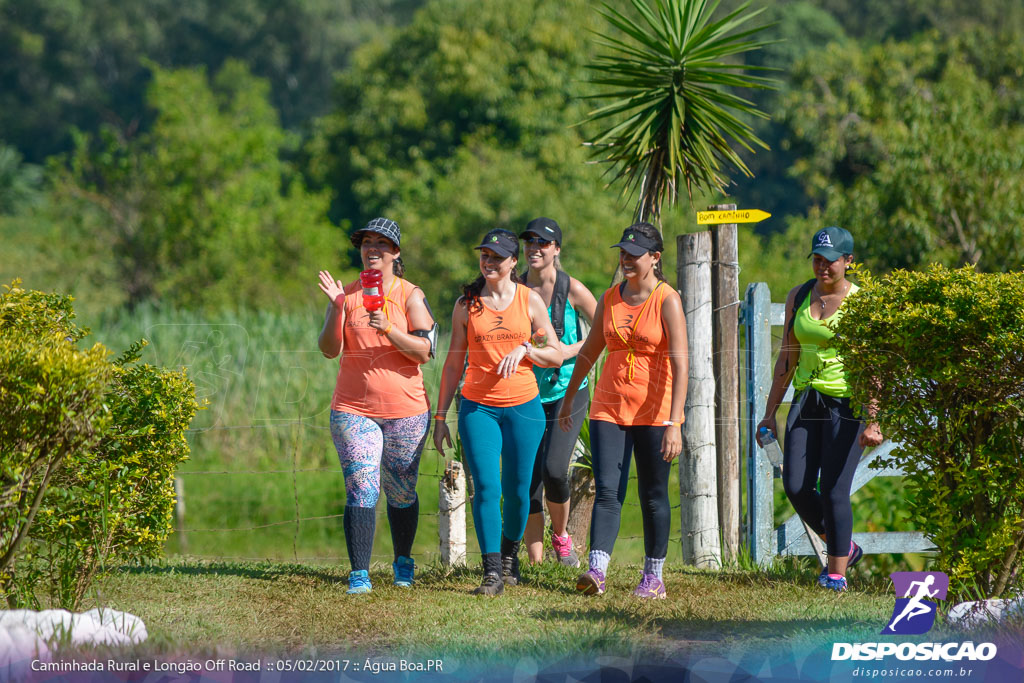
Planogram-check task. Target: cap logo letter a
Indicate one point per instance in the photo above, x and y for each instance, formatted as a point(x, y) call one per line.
point(824, 240)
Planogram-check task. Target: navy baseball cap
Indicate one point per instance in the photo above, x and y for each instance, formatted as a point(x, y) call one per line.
point(501, 242)
point(544, 228)
point(382, 226)
point(832, 242)
point(635, 242)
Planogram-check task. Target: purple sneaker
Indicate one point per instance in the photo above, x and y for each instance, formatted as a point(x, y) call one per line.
point(591, 582)
point(650, 587)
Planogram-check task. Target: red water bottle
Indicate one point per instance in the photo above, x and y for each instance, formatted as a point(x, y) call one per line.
point(373, 289)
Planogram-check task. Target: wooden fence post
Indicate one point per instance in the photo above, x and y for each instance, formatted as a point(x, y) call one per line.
point(698, 486)
point(452, 522)
point(760, 486)
point(179, 514)
point(725, 300)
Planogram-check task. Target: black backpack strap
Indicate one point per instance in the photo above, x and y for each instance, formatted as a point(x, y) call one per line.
point(559, 297)
point(801, 294)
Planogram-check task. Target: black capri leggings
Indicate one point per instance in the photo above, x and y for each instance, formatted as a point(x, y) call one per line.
point(612, 446)
point(551, 469)
point(821, 451)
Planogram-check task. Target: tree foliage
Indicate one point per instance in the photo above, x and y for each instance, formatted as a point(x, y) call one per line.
point(461, 122)
point(941, 355)
point(674, 115)
point(200, 211)
point(915, 147)
point(68, 64)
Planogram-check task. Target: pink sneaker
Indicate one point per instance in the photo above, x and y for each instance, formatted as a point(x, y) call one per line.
point(565, 551)
point(650, 587)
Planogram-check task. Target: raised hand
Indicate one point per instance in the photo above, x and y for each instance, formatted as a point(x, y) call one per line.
point(334, 290)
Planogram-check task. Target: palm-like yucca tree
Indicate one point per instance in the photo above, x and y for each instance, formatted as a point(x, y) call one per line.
point(673, 111)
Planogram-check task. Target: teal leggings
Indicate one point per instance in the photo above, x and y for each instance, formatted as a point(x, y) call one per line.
point(500, 446)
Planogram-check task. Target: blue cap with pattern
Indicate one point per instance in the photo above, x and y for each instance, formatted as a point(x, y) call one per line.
point(382, 226)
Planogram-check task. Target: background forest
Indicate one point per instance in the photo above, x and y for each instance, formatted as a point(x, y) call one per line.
point(191, 166)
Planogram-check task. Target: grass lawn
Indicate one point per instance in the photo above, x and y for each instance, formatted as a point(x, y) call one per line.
point(248, 609)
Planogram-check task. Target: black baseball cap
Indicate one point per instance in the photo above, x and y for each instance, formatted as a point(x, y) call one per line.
point(635, 242)
point(383, 226)
point(544, 228)
point(832, 242)
point(501, 242)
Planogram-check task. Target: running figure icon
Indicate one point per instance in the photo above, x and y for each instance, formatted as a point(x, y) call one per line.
point(914, 607)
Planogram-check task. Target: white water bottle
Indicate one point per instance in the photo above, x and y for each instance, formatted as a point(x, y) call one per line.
point(766, 438)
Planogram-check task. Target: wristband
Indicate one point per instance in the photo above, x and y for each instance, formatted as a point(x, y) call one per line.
point(670, 423)
point(527, 345)
point(387, 331)
point(440, 416)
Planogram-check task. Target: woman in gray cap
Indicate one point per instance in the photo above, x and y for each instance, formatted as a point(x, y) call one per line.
point(567, 299)
point(380, 414)
point(824, 437)
point(500, 416)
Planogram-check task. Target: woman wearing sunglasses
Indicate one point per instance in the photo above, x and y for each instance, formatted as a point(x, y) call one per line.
point(566, 299)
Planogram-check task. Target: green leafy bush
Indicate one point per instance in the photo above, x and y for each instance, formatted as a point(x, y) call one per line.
point(941, 353)
point(51, 407)
point(101, 479)
point(116, 501)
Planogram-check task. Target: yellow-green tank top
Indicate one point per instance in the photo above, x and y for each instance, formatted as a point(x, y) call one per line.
point(819, 367)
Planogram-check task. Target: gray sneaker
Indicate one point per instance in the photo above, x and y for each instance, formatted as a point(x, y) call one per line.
point(564, 550)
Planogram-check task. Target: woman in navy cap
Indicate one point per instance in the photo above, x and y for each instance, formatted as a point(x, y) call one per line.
point(380, 414)
point(567, 299)
point(637, 410)
point(824, 437)
point(500, 415)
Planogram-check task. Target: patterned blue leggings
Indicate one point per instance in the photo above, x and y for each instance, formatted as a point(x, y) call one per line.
point(376, 453)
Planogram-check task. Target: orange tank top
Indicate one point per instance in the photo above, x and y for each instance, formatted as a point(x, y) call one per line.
point(635, 386)
point(374, 378)
point(491, 335)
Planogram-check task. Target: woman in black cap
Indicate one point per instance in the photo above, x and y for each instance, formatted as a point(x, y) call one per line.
point(637, 408)
point(824, 438)
point(566, 298)
point(500, 416)
point(380, 414)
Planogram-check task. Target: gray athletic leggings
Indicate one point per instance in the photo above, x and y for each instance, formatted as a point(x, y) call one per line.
point(819, 459)
point(551, 470)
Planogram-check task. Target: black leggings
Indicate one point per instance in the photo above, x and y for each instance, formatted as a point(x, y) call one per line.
point(551, 469)
point(612, 446)
point(821, 451)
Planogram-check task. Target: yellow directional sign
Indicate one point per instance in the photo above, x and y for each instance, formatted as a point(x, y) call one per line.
point(739, 216)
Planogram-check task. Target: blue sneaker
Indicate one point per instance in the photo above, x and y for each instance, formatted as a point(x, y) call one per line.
point(835, 582)
point(823, 577)
point(359, 581)
point(404, 568)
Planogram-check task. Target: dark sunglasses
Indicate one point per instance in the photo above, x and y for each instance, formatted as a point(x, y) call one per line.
point(538, 241)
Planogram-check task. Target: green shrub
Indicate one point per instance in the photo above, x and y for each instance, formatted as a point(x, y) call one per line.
point(89, 451)
point(941, 353)
point(116, 501)
point(51, 408)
